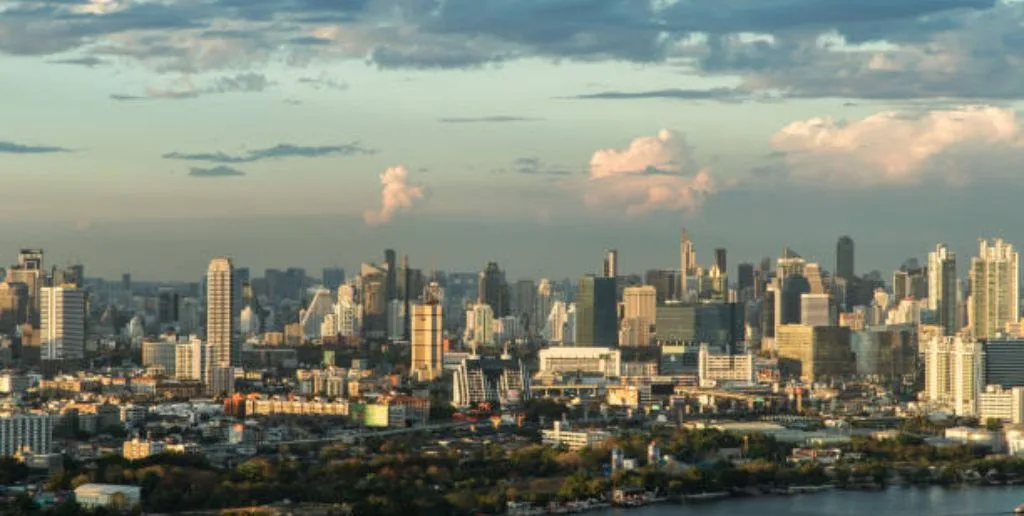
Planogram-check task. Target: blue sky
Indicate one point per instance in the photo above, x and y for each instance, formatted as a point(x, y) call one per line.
point(148, 135)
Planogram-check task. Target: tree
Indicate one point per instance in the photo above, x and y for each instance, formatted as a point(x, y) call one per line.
point(993, 424)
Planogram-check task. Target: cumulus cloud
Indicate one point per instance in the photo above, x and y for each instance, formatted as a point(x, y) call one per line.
point(903, 148)
point(398, 195)
point(655, 173)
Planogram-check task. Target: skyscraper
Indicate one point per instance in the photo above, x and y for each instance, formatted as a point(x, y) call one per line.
point(942, 288)
point(427, 341)
point(333, 277)
point(640, 311)
point(611, 264)
point(995, 287)
point(844, 258)
point(493, 291)
point(391, 286)
point(220, 325)
point(687, 262)
point(62, 323)
point(745, 280)
point(721, 261)
point(597, 321)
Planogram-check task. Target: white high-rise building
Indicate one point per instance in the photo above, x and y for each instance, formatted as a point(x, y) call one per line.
point(191, 360)
point(427, 341)
point(558, 316)
point(162, 354)
point(954, 373)
point(313, 317)
point(62, 323)
point(995, 289)
point(249, 322)
point(480, 325)
point(225, 353)
point(935, 283)
point(542, 305)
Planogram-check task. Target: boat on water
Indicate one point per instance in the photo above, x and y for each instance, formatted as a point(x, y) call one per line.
point(1019, 509)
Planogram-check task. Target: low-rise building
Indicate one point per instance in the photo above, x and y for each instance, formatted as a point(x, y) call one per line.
point(561, 435)
point(108, 496)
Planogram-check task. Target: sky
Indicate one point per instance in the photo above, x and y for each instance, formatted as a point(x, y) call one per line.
point(148, 136)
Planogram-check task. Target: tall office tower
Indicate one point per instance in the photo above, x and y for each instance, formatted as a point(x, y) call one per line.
point(936, 259)
point(995, 288)
point(239, 281)
point(639, 313)
point(768, 313)
point(407, 290)
point(31, 259)
point(375, 322)
point(525, 295)
point(611, 264)
point(33, 280)
point(721, 261)
point(167, 305)
point(745, 278)
point(220, 325)
point(789, 264)
point(13, 306)
point(844, 258)
point(333, 277)
point(665, 283)
point(793, 288)
point(543, 301)
point(126, 282)
point(597, 322)
point(815, 310)
point(493, 291)
point(900, 286)
point(812, 271)
point(391, 286)
point(62, 323)
point(70, 275)
point(687, 263)
point(427, 341)
point(954, 370)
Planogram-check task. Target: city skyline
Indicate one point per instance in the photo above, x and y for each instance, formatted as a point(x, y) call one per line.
point(719, 117)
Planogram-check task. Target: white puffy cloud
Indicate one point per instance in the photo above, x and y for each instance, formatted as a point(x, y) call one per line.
point(397, 195)
point(894, 148)
point(655, 173)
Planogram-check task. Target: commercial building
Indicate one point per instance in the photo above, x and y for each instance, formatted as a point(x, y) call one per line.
point(639, 315)
point(1004, 362)
point(489, 380)
point(560, 435)
point(108, 496)
point(191, 360)
point(815, 310)
point(1005, 405)
point(161, 354)
point(713, 369)
point(296, 407)
point(62, 323)
point(943, 292)
point(814, 353)
point(427, 341)
point(597, 321)
point(594, 361)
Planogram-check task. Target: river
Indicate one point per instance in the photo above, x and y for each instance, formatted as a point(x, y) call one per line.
point(897, 501)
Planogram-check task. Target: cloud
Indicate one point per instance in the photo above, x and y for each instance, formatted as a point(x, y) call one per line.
point(87, 61)
point(721, 94)
point(496, 119)
point(398, 195)
point(951, 146)
point(18, 148)
point(655, 173)
point(281, 150)
point(186, 89)
point(218, 171)
point(534, 166)
point(323, 82)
